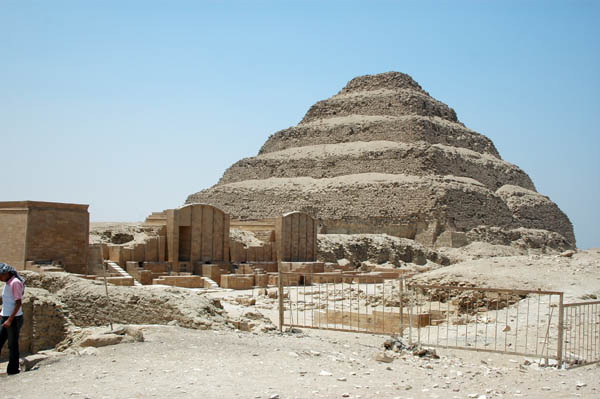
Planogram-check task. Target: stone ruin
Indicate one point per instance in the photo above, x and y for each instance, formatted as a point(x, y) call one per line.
point(383, 156)
point(47, 234)
point(380, 157)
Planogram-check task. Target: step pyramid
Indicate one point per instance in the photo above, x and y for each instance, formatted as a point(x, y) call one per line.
point(383, 156)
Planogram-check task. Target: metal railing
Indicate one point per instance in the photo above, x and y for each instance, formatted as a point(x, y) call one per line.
point(521, 322)
point(581, 333)
point(334, 301)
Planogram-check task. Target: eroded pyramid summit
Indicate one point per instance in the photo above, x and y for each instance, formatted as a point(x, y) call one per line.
point(383, 156)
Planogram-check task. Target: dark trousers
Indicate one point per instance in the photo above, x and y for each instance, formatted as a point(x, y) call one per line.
point(12, 335)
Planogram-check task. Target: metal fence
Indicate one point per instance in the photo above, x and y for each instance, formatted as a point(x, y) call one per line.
point(519, 322)
point(333, 301)
point(522, 322)
point(581, 333)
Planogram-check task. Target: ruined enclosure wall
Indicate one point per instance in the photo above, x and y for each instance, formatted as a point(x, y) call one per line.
point(45, 322)
point(296, 235)
point(59, 232)
point(13, 227)
point(197, 233)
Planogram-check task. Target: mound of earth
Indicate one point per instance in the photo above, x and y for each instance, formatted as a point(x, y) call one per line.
point(383, 156)
point(375, 249)
point(576, 274)
point(121, 232)
point(85, 303)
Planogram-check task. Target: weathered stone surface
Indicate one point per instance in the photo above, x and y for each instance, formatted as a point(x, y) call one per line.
point(375, 248)
point(401, 129)
point(382, 156)
point(419, 159)
point(87, 304)
point(535, 211)
point(100, 340)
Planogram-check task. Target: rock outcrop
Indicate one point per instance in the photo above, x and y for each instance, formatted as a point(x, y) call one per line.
point(383, 156)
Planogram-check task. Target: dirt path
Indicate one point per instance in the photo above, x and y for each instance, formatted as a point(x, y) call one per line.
point(184, 363)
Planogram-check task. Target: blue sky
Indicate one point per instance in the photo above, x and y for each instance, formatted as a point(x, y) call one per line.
point(131, 106)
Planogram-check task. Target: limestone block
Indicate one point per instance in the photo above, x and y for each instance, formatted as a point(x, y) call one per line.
point(237, 281)
point(151, 248)
point(99, 340)
point(162, 248)
point(262, 280)
point(213, 272)
point(123, 281)
point(157, 267)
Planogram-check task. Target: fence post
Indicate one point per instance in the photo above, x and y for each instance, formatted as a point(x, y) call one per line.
point(559, 350)
point(401, 293)
point(411, 301)
point(280, 295)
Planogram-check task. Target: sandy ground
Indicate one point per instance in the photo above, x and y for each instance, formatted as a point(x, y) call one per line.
point(186, 363)
point(577, 276)
point(183, 363)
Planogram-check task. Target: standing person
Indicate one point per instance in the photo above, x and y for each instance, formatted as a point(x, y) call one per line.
point(12, 314)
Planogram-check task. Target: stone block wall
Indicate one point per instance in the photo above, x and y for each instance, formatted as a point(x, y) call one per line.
point(296, 237)
point(45, 323)
point(197, 233)
point(13, 228)
point(181, 281)
point(59, 232)
point(237, 281)
point(44, 231)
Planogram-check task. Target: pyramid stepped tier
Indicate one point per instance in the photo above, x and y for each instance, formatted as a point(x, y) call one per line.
point(370, 202)
point(401, 129)
point(536, 211)
point(383, 156)
point(330, 160)
point(380, 102)
point(391, 94)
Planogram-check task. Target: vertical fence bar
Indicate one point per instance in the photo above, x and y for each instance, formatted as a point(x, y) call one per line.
point(320, 312)
point(447, 320)
point(517, 327)
point(383, 303)
point(419, 311)
point(476, 311)
point(430, 319)
point(312, 300)
point(527, 325)
point(438, 321)
point(537, 326)
point(496, 322)
point(401, 303)
point(304, 299)
point(327, 301)
point(411, 298)
point(561, 313)
point(280, 297)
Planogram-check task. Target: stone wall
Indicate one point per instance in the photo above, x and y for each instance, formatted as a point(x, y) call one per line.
point(296, 237)
point(197, 233)
point(43, 232)
point(59, 232)
point(45, 322)
point(13, 230)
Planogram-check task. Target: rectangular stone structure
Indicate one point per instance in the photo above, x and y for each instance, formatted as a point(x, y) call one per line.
point(43, 232)
point(196, 233)
point(296, 237)
point(237, 281)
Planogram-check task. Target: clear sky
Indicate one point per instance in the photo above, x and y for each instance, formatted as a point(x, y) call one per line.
point(130, 106)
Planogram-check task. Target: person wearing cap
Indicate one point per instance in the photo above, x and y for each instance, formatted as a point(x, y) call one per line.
point(11, 319)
